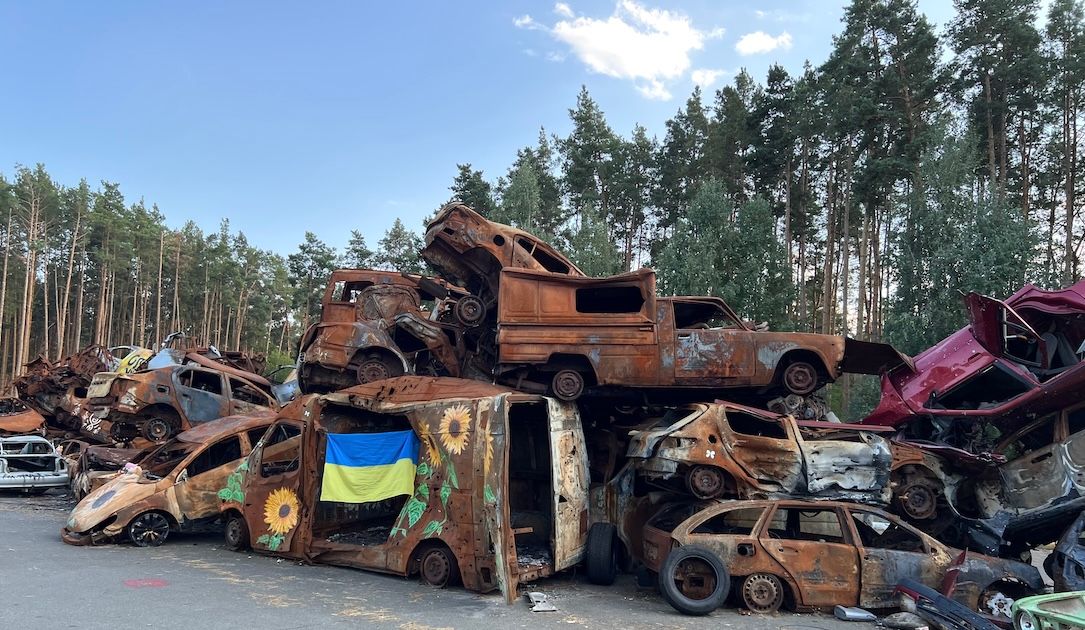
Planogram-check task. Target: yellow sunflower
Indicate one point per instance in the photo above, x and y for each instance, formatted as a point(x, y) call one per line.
point(455, 427)
point(281, 510)
point(430, 444)
point(488, 454)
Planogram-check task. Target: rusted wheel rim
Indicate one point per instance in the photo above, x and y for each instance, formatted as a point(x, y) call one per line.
point(373, 370)
point(568, 385)
point(918, 502)
point(800, 378)
point(436, 567)
point(695, 578)
point(470, 310)
point(996, 603)
point(149, 529)
point(763, 593)
point(706, 482)
point(156, 430)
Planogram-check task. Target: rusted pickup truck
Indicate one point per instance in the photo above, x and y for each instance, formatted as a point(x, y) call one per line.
point(567, 333)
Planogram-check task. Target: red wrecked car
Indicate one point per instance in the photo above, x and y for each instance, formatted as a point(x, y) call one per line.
point(1019, 358)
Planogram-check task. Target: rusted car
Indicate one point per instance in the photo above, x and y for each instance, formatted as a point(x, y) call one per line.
point(567, 333)
point(1066, 564)
point(173, 488)
point(16, 418)
point(31, 463)
point(1018, 359)
point(44, 384)
point(91, 466)
point(466, 248)
point(380, 324)
point(728, 450)
point(811, 554)
point(496, 492)
point(159, 403)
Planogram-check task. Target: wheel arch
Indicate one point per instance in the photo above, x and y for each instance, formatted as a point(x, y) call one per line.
point(813, 357)
point(572, 361)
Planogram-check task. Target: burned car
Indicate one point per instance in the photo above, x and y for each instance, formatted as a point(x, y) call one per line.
point(159, 403)
point(31, 463)
point(1066, 564)
point(91, 466)
point(565, 333)
point(453, 480)
point(380, 324)
point(174, 488)
point(728, 450)
point(811, 554)
point(16, 418)
point(45, 384)
point(1018, 359)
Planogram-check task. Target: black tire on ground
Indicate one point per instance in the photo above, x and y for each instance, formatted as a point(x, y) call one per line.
point(236, 532)
point(694, 580)
point(601, 554)
point(149, 529)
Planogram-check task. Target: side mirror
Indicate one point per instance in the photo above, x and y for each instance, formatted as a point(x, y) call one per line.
point(181, 478)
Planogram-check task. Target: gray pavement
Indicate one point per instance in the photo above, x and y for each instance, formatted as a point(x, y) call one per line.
point(192, 582)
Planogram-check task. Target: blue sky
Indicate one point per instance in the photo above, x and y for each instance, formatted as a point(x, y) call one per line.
point(328, 116)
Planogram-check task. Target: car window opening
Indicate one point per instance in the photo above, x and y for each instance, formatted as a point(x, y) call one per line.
point(808, 525)
point(530, 489)
point(282, 450)
point(990, 388)
point(209, 382)
point(218, 454)
point(541, 256)
point(701, 315)
point(747, 424)
point(877, 532)
point(740, 522)
point(623, 299)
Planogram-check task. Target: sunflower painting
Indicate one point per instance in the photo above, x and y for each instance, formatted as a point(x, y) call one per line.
point(455, 428)
point(429, 443)
point(281, 516)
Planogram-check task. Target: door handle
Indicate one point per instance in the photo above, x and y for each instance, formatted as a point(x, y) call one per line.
point(683, 335)
point(783, 549)
point(1040, 458)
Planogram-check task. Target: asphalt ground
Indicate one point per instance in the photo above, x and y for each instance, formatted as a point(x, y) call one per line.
point(192, 582)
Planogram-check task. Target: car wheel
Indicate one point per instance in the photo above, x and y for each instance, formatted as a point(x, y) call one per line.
point(706, 482)
point(157, 430)
point(236, 532)
point(567, 385)
point(763, 593)
point(602, 554)
point(149, 529)
point(800, 378)
point(693, 580)
point(372, 369)
point(470, 311)
point(437, 567)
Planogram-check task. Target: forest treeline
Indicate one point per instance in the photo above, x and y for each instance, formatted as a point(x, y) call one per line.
point(858, 197)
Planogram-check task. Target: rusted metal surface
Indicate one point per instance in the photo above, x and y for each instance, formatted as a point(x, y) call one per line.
point(727, 450)
point(91, 466)
point(615, 331)
point(44, 384)
point(381, 324)
point(826, 553)
point(156, 404)
point(500, 488)
point(180, 479)
point(16, 418)
point(1066, 564)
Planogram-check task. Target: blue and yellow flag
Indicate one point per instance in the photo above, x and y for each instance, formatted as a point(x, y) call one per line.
point(365, 467)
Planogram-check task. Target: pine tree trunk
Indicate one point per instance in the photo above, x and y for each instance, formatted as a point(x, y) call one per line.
point(4, 285)
point(63, 318)
point(988, 99)
point(176, 289)
point(158, 291)
point(77, 337)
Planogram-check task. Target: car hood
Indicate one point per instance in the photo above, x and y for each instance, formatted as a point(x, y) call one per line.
point(117, 494)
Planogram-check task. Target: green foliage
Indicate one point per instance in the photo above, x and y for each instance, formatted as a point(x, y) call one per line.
point(471, 187)
point(398, 250)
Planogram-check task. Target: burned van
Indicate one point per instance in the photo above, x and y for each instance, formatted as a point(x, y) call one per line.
point(453, 480)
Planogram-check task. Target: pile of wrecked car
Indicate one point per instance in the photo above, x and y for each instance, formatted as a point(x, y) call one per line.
point(511, 418)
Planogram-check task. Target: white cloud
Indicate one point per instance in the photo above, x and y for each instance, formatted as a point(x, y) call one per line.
point(563, 10)
point(556, 57)
point(647, 46)
point(760, 42)
point(717, 32)
point(705, 77)
point(526, 21)
point(776, 15)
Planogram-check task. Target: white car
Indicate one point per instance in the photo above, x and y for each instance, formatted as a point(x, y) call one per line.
point(32, 463)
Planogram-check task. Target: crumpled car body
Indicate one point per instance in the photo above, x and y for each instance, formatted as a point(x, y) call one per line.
point(1055, 611)
point(91, 466)
point(728, 450)
point(159, 403)
point(1018, 358)
point(176, 484)
point(1066, 564)
point(16, 418)
point(44, 384)
point(373, 326)
point(31, 462)
point(827, 553)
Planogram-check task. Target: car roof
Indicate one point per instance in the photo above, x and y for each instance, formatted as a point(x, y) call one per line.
point(223, 427)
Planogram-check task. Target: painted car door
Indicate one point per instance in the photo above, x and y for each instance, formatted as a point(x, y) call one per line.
point(569, 459)
point(201, 394)
point(492, 496)
point(811, 544)
point(889, 551)
point(272, 497)
point(205, 474)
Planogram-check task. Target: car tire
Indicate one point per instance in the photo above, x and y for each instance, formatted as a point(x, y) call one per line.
point(601, 554)
point(470, 311)
point(156, 430)
point(800, 378)
point(437, 567)
point(236, 532)
point(149, 529)
point(696, 567)
point(567, 385)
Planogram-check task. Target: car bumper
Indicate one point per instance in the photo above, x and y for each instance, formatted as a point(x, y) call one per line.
point(83, 539)
point(34, 480)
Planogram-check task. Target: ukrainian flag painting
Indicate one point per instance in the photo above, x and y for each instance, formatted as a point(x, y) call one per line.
point(365, 467)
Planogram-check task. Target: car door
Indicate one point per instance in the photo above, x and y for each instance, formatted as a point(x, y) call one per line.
point(246, 398)
point(197, 486)
point(272, 488)
point(1036, 473)
point(201, 394)
point(890, 550)
point(1004, 333)
point(1075, 447)
point(569, 467)
point(734, 529)
point(709, 345)
point(815, 549)
point(763, 448)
